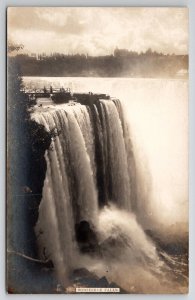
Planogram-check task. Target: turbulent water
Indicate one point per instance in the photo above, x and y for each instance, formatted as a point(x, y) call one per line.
point(92, 175)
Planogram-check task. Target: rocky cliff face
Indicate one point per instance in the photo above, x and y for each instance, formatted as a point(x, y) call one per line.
point(26, 179)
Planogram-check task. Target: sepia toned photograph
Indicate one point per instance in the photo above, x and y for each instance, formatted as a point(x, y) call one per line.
point(97, 150)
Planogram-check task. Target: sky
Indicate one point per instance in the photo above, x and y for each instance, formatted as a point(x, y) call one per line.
point(98, 31)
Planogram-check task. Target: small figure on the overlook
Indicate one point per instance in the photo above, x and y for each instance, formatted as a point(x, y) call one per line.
point(45, 90)
point(62, 90)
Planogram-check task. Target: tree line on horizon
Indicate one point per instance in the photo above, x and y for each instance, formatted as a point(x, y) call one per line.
point(122, 63)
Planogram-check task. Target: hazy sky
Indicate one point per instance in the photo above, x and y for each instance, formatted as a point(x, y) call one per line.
point(98, 31)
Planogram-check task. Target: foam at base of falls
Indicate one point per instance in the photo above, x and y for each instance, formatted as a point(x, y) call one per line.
point(128, 257)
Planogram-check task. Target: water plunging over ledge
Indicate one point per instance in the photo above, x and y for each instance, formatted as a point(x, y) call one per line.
point(87, 216)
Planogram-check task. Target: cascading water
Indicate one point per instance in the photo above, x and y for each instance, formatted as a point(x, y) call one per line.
point(91, 177)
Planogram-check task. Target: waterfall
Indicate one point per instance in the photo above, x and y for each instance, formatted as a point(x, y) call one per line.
point(91, 181)
point(87, 167)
